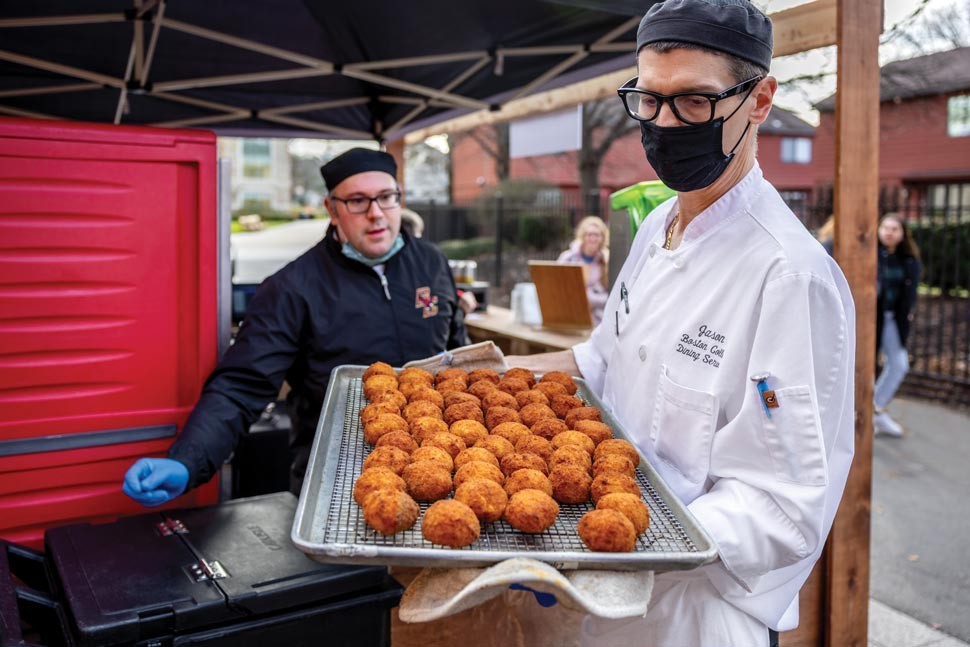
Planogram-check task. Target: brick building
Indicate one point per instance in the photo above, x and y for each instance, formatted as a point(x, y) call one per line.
point(785, 151)
point(924, 133)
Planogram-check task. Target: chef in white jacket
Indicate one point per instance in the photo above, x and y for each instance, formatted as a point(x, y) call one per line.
point(727, 344)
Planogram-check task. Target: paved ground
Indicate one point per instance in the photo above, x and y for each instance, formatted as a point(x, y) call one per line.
point(258, 254)
point(920, 568)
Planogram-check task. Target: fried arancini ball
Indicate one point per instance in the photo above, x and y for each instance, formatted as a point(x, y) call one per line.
point(582, 413)
point(570, 484)
point(522, 374)
point(389, 511)
point(550, 389)
point(471, 431)
point(522, 461)
point(497, 415)
point(425, 427)
point(577, 438)
point(483, 374)
point(393, 396)
point(531, 511)
point(446, 441)
point(563, 404)
point(632, 507)
point(454, 397)
point(565, 379)
point(616, 463)
point(498, 445)
point(384, 423)
point(400, 439)
point(609, 482)
point(378, 368)
point(451, 374)
point(428, 394)
point(513, 385)
point(415, 374)
point(448, 386)
point(597, 431)
point(533, 413)
point(427, 480)
point(410, 388)
point(485, 497)
point(527, 480)
point(548, 428)
point(450, 523)
point(536, 445)
point(511, 431)
point(617, 446)
point(419, 409)
point(571, 455)
point(607, 531)
point(478, 470)
point(481, 388)
point(498, 398)
point(475, 454)
point(464, 411)
point(435, 455)
point(374, 409)
point(531, 397)
point(378, 383)
point(391, 457)
point(376, 478)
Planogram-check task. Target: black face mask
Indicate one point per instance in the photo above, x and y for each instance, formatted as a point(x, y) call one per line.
point(687, 158)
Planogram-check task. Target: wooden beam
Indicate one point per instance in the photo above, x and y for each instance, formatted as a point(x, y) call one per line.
point(589, 90)
point(856, 210)
point(796, 30)
point(804, 27)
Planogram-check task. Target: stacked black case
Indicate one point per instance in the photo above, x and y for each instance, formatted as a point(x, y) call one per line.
point(220, 575)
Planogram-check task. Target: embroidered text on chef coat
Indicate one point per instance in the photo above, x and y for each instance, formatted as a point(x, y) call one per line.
point(702, 344)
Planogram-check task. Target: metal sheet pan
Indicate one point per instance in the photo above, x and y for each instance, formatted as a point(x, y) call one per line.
point(329, 526)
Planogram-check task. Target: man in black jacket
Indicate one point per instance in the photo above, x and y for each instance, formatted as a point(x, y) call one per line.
point(366, 292)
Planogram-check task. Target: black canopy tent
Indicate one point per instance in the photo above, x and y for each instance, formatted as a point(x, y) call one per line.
point(361, 69)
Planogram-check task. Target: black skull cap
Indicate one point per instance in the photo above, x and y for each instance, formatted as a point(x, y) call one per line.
point(735, 27)
point(354, 161)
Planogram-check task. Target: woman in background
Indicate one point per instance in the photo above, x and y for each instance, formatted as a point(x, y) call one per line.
point(591, 247)
point(898, 273)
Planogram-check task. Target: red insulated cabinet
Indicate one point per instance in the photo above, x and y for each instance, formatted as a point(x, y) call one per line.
point(108, 312)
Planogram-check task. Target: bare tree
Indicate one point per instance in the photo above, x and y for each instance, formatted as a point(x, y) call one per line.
point(604, 122)
point(494, 141)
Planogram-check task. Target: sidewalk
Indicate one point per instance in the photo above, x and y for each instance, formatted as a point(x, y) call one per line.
point(890, 628)
point(919, 574)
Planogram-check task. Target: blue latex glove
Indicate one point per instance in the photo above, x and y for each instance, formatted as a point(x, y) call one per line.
point(154, 481)
point(544, 599)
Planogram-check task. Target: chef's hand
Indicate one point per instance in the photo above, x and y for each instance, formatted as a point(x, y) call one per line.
point(154, 481)
point(544, 599)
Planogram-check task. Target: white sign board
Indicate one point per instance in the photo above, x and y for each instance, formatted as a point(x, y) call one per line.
point(554, 132)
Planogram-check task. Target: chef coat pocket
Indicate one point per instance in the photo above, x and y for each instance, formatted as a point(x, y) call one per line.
point(794, 438)
point(683, 428)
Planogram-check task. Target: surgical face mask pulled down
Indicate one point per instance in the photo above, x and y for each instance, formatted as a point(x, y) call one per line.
point(688, 158)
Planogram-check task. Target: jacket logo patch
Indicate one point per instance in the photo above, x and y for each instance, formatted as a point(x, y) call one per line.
point(426, 301)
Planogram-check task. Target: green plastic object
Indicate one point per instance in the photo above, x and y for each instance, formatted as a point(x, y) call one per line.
point(639, 200)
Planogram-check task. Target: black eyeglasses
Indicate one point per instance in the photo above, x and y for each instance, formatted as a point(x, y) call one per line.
point(692, 108)
point(387, 200)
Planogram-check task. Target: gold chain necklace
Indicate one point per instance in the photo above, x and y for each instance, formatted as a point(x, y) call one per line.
point(670, 230)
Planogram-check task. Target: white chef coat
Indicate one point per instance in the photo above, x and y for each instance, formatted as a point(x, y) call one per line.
point(748, 291)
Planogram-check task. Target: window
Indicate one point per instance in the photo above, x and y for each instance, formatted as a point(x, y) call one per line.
point(796, 150)
point(958, 116)
point(256, 157)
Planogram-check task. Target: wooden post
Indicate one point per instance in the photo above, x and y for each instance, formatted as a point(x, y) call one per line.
point(856, 208)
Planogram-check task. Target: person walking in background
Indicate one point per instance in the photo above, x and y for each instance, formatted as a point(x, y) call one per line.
point(898, 276)
point(591, 247)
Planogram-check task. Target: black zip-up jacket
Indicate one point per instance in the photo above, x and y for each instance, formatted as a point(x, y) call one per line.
point(906, 300)
point(320, 311)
